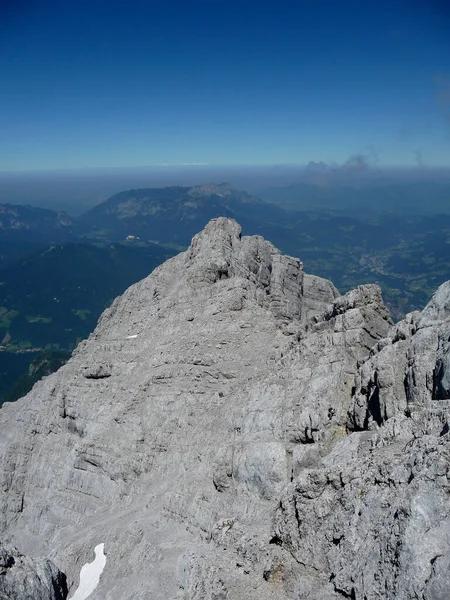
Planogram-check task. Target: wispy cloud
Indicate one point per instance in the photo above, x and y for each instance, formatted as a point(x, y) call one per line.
point(356, 163)
point(362, 161)
point(361, 164)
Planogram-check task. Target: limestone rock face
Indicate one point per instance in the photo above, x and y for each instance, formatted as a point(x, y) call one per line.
point(24, 579)
point(235, 429)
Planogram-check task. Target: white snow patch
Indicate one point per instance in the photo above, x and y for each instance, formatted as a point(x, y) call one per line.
point(90, 574)
point(131, 337)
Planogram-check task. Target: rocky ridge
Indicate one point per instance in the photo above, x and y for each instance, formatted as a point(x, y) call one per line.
point(235, 429)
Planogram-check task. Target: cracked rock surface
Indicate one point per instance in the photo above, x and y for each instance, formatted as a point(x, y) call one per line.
point(234, 429)
point(22, 578)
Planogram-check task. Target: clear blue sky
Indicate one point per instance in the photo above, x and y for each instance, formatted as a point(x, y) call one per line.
point(87, 83)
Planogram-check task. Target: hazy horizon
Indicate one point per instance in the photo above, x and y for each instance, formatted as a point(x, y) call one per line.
point(77, 190)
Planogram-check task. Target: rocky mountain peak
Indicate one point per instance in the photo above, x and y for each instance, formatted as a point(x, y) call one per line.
point(438, 309)
point(235, 428)
point(220, 189)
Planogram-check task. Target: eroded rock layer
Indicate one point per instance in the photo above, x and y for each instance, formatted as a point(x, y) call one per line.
point(235, 429)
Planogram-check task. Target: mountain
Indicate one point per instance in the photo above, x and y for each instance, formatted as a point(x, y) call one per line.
point(28, 223)
point(377, 236)
point(173, 214)
point(23, 229)
point(51, 294)
point(407, 254)
point(235, 428)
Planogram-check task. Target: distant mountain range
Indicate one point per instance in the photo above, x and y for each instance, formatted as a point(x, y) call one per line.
point(58, 273)
point(28, 223)
point(174, 214)
point(23, 229)
point(170, 215)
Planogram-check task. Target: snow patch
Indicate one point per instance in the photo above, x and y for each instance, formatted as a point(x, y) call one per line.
point(131, 337)
point(90, 574)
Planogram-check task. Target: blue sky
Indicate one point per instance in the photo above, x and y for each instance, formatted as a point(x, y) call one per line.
point(88, 83)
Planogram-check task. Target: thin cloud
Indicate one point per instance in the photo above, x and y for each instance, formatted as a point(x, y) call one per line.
point(317, 167)
point(358, 163)
point(361, 164)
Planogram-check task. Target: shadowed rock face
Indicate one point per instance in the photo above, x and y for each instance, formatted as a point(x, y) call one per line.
point(235, 429)
point(22, 578)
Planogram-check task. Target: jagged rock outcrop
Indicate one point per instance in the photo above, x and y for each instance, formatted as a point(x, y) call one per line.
point(22, 578)
point(235, 429)
point(408, 372)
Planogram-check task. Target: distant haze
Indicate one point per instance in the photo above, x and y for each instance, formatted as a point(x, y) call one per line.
point(77, 190)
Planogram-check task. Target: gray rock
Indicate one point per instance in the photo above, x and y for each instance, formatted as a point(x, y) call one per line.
point(408, 372)
point(235, 429)
point(22, 578)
